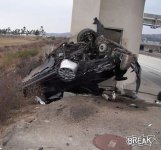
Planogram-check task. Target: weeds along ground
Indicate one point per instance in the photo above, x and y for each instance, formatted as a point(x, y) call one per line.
point(15, 63)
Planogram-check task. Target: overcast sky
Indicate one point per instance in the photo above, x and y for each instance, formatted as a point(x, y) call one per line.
point(54, 15)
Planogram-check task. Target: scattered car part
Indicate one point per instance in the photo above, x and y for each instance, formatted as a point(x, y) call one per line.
point(113, 95)
point(39, 100)
point(150, 125)
point(105, 96)
point(157, 101)
point(133, 105)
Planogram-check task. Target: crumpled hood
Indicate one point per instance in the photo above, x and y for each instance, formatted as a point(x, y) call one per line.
point(48, 64)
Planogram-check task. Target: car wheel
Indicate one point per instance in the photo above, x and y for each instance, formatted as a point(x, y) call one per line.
point(87, 35)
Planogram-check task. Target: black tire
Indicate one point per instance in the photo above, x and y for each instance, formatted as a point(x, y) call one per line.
point(87, 35)
point(159, 96)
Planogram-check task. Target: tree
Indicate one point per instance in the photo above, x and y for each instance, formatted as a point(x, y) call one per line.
point(27, 32)
point(23, 30)
point(4, 31)
point(42, 31)
point(8, 30)
point(18, 31)
point(37, 32)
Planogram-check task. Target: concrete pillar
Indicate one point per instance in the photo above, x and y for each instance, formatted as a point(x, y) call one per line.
point(126, 15)
point(83, 14)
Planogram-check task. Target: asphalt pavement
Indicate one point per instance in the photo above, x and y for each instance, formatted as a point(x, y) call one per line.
point(151, 69)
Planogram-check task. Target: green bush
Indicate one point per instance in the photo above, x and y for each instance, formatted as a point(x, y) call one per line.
point(26, 53)
point(10, 57)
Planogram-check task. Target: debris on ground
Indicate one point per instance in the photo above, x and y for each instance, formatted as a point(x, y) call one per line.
point(80, 67)
point(106, 97)
point(41, 148)
point(150, 125)
point(157, 102)
point(133, 105)
point(113, 95)
point(39, 100)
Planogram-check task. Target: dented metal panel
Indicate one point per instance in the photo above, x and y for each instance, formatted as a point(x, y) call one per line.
point(80, 67)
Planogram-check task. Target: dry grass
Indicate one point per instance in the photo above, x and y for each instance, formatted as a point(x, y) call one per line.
point(10, 57)
point(15, 63)
point(17, 40)
point(9, 42)
point(11, 96)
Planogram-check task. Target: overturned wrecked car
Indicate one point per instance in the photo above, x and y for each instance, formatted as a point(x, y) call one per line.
point(79, 67)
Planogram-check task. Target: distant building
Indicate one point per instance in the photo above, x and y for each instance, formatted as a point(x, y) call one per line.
point(150, 46)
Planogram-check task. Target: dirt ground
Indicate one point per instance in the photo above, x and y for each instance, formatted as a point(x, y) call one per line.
point(73, 122)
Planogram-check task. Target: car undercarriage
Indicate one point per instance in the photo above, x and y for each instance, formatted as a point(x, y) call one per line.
point(80, 67)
